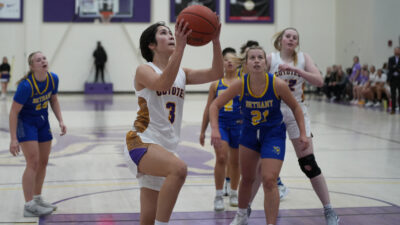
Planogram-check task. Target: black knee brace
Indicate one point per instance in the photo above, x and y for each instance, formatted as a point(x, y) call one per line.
point(309, 166)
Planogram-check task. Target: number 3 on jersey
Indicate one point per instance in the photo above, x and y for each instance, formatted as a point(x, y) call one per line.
point(291, 84)
point(171, 107)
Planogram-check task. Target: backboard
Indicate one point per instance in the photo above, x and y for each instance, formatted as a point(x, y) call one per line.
point(92, 8)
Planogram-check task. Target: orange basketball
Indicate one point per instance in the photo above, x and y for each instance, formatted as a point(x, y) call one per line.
point(202, 21)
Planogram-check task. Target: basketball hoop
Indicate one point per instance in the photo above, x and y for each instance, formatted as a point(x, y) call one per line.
point(106, 10)
point(106, 16)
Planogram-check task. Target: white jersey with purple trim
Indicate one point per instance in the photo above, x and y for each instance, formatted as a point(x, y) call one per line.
point(294, 80)
point(296, 84)
point(159, 116)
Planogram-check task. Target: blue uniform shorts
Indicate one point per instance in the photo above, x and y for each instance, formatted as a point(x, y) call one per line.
point(230, 135)
point(34, 129)
point(270, 142)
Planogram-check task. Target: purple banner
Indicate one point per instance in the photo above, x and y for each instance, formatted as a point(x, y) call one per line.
point(64, 11)
point(176, 6)
point(11, 12)
point(249, 11)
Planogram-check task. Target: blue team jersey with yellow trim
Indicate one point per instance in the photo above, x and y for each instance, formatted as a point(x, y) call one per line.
point(263, 110)
point(35, 96)
point(229, 114)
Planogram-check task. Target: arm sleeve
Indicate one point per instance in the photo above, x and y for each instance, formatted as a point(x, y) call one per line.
point(23, 93)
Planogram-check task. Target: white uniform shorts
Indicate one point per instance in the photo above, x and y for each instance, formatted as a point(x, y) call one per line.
point(145, 181)
point(291, 124)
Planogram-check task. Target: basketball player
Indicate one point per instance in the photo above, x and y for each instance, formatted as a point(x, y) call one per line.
point(263, 131)
point(241, 71)
point(296, 68)
point(30, 129)
point(230, 120)
point(160, 87)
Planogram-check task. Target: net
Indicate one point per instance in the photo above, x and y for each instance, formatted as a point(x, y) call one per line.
point(106, 16)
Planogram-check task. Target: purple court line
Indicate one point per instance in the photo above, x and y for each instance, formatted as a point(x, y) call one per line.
point(198, 176)
point(386, 215)
point(295, 188)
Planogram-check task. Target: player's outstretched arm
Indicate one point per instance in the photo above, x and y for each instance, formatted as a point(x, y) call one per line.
point(55, 106)
point(206, 118)
point(217, 68)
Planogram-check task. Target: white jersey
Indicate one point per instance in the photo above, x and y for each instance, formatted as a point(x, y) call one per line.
point(295, 81)
point(296, 84)
point(159, 116)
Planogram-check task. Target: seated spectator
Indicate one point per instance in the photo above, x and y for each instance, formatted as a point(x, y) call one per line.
point(358, 86)
point(370, 88)
point(382, 87)
point(339, 84)
point(354, 76)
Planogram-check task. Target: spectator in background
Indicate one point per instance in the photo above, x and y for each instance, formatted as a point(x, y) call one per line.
point(339, 84)
point(385, 68)
point(355, 73)
point(394, 77)
point(349, 86)
point(381, 87)
point(358, 85)
point(327, 79)
point(369, 89)
point(331, 82)
point(4, 77)
point(100, 59)
point(355, 70)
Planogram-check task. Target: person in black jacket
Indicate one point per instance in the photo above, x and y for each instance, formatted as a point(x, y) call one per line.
point(100, 59)
point(4, 77)
point(394, 77)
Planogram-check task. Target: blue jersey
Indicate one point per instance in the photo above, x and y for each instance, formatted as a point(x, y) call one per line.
point(229, 115)
point(35, 96)
point(263, 110)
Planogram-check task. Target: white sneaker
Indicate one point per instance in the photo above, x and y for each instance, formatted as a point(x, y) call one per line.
point(219, 203)
point(330, 217)
point(377, 104)
point(36, 210)
point(233, 200)
point(283, 191)
point(239, 219)
point(368, 104)
point(45, 204)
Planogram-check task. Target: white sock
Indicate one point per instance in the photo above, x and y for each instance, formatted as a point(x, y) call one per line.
point(328, 206)
point(160, 223)
point(219, 192)
point(234, 192)
point(30, 203)
point(37, 197)
point(242, 211)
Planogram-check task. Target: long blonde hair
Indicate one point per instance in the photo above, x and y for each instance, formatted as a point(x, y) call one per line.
point(30, 62)
point(278, 38)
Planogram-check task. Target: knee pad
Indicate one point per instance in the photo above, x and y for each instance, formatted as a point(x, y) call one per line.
point(309, 166)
